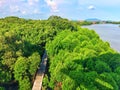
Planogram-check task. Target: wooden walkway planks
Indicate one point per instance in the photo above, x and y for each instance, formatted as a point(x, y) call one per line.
point(40, 74)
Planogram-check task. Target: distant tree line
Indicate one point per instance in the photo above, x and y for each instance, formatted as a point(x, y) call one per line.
point(81, 23)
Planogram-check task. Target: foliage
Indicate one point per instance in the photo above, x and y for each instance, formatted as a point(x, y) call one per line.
point(45, 81)
point(22, 43)
point(81, 60)
point(2, 88)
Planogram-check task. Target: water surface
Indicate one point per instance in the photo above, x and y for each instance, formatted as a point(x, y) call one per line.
point(109, 33)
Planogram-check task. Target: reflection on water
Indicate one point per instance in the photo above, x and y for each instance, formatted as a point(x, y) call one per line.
point(109, 33)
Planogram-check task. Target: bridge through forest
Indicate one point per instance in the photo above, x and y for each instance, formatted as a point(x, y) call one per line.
point(40, 73)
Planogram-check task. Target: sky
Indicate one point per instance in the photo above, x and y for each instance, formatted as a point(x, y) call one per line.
point(71, 9)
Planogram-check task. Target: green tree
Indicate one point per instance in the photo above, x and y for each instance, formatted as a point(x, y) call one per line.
point(21, 73)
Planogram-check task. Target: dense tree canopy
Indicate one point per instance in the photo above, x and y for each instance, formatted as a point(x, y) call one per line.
point(22, 43)
point(80, 60)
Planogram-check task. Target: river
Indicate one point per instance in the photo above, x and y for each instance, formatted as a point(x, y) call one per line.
point(109, 33)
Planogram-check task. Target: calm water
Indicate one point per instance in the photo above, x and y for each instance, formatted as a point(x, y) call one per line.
point(109, 33)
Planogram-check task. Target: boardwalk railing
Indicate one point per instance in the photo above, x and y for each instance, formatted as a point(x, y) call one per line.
point(40, 74)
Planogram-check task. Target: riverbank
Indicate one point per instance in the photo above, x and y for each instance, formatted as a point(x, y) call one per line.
point(108, 32)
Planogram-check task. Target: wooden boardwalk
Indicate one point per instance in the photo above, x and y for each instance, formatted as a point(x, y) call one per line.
point(40, 73)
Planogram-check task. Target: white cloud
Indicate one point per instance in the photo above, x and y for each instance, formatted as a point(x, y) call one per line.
point(33, 2)
point(100, 2)
point(23, 12)
point(30, 2)
point(53, 5)
point(61, 1)
point(2, 2)
point(91, 7)
point(36, 11)
point(14, 9)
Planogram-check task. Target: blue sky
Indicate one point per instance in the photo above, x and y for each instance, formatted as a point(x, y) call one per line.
point(71, 9)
